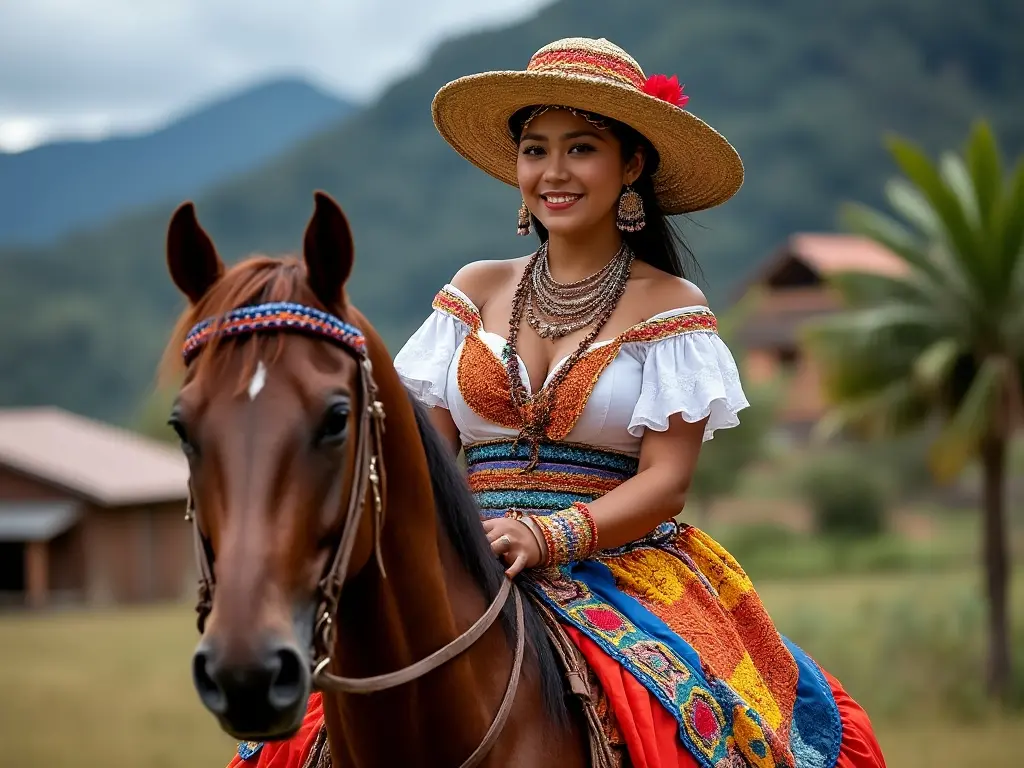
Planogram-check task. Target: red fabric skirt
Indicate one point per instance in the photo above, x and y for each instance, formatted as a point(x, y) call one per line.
point(650, 732)
point(293, 752)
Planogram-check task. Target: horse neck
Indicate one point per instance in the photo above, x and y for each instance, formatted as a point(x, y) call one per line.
point(426, 600)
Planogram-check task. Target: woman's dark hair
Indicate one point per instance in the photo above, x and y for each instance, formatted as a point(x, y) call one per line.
point(659, 243)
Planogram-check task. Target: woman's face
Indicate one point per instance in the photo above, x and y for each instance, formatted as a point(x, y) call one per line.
point(571, 173)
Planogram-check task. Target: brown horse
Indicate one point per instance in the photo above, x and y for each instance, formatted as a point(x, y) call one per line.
point(282, 431)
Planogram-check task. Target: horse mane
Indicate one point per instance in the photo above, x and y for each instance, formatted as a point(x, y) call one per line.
point(260, 279)
point(255, 280)
point(460, 517)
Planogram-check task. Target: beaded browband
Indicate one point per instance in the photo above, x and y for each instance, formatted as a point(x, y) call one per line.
point(275, 316)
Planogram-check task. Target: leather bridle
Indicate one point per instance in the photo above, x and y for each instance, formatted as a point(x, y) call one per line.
point(368, 481)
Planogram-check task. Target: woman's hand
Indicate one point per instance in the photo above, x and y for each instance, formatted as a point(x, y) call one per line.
point(514, 543)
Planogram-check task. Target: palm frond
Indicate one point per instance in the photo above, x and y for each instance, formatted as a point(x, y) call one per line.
point(956, 289)
point(886, 231)
point(864, 289)
point(959, 439)
point(849, 369)
point(934, 366)
point(932, 274)
point(872, 331)
point(954, 173)
point(985, 167)
point(884, 412)
point(908, 202)
point(958, 230)
point(945, 288)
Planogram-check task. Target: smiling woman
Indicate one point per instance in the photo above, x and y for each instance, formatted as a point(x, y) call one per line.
point(581, 381)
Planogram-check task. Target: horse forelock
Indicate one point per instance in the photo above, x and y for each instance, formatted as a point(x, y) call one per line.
point(255, 280)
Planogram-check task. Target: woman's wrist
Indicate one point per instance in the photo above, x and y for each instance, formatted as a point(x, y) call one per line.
point(527, 520)
point(569, 534)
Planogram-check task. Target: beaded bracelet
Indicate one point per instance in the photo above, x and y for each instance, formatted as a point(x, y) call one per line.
point(570, 534)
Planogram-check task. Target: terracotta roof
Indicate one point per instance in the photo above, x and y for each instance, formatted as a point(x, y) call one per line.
point(832, 253)
point(97, 461)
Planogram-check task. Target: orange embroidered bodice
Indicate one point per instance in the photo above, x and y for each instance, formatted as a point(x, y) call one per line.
point(483, 382)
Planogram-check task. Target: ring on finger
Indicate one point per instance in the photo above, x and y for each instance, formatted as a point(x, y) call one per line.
point(506, 541)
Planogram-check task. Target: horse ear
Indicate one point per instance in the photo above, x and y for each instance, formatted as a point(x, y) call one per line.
point(328, 250)
point(191, 257)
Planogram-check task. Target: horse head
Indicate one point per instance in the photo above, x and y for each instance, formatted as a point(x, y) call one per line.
point(279, 430)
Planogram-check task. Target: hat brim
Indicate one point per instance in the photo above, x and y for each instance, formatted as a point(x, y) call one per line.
point(698, 167)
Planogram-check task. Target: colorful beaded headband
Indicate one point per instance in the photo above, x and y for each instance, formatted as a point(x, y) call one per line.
point(275, 316)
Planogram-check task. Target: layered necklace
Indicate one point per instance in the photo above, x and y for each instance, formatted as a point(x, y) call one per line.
point(556, 309)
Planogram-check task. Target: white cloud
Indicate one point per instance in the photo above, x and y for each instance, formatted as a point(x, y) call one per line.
point(86, 67)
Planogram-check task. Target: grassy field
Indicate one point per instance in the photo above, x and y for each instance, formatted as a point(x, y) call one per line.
point(113, 690)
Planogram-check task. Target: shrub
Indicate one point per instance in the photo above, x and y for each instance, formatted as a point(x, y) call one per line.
point(848, 500)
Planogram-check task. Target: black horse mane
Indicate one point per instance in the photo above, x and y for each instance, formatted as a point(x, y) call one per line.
point(460, 517)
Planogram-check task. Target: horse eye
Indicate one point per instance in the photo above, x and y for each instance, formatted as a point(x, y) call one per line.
point(334, 427)
point(179, 428)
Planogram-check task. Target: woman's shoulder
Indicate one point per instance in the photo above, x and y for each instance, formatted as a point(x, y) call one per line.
point(479, 280)
point(657, 291)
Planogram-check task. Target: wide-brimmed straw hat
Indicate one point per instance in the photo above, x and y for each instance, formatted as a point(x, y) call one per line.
point(698, 167)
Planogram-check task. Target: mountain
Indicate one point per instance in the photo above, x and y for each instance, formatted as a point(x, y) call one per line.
point(54, 189)
point(806, 91)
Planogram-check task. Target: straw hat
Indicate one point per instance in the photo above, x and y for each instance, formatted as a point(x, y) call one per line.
point(698, 168)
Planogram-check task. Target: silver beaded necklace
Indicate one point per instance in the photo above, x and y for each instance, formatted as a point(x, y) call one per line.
point(556, 309)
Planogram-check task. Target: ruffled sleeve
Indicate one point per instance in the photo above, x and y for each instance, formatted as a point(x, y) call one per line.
point(423, 362)
point(690, 372)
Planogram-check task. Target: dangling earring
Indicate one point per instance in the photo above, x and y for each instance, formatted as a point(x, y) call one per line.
point(631, 211)
point(524, 220)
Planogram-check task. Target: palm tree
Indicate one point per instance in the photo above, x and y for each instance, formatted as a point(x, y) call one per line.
point(943, 341)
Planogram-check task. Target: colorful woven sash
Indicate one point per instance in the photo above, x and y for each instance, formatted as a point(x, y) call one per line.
point(566, 473)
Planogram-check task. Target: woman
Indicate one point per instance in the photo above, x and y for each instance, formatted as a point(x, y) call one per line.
point(581, 382)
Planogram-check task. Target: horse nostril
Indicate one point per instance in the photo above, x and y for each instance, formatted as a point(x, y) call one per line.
point(210, 692)
point(289, 683)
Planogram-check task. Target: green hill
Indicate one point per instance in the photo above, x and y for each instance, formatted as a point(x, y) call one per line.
point(59, 188)
point(804, 89)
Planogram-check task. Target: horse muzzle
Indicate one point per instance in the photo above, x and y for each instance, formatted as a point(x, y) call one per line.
point(259, 694)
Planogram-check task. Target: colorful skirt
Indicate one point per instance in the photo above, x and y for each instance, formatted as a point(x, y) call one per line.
point(691, 665)
point(676, 616)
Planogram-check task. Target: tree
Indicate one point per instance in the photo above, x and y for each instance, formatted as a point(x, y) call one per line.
point(944, 340)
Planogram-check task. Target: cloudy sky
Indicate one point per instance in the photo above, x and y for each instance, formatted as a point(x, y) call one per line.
point(91, 67)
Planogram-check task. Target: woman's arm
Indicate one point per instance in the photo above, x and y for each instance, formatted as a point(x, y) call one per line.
point(441, 419)
point(658, 490)
point(628, 512)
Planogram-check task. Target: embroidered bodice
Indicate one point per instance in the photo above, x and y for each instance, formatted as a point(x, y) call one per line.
point(672, 363)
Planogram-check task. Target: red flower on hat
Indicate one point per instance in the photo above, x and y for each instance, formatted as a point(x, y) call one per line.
point(667, 89)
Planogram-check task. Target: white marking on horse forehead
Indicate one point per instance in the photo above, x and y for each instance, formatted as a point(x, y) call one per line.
point(259, 380)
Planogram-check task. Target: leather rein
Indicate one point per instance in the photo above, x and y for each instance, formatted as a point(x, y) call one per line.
point(368, 482)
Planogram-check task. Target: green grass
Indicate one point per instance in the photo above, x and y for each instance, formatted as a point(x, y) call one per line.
point(113, 689)
point(104, 689)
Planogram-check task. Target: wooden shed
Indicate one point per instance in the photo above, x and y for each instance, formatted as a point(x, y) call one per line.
point(89, 513)
point(793, 283)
